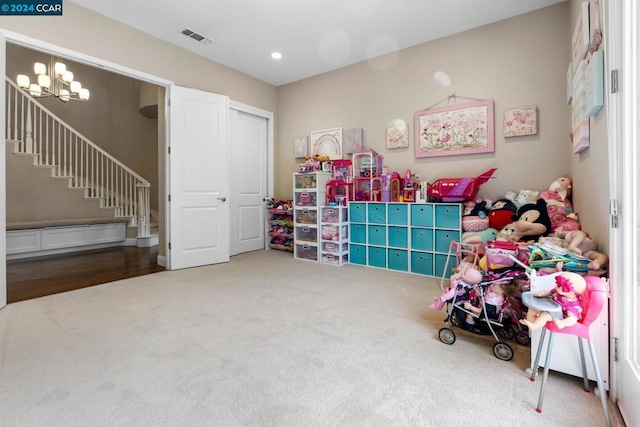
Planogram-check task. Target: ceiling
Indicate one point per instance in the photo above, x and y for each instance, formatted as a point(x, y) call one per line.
point(313, 36)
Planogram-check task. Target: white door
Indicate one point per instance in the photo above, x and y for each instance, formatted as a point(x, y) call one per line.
point(198, 178)
point(248, 187)
point(624, 134)
point(3, 207)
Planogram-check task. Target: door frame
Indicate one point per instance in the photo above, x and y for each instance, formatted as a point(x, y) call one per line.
point(270, 169)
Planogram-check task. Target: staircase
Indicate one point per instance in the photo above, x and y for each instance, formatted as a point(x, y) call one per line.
point(35, 131)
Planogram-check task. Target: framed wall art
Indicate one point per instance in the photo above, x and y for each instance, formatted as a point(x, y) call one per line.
point(520, 121)
point(455, 129)
point(580, 38)
point(397, 134)
point(353, 140)
point(300, 147)
point(579, 114)
point(327, 142)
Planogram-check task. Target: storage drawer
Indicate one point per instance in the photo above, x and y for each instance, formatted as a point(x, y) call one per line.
point(440, 264)
point(422, 263)
point(398, 260)
point(306, 252)
point(447, 216)
point(305, 181)
point(334, 214)
point(358, 254)
point(377, 257)
point(333, 232)
point(358, 212)
point(444, 239)
point(334, 259)
point(305, 216)
point(305, 198)
point(398, 237)
point(422, 239)
point(422, 215)
point(397, 213)
point(334, 248)
point(358, 233)
point(377, 213)
point(377, 235)
point(306, 234)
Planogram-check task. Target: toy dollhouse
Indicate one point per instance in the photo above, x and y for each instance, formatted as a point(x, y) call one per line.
point(367, 175)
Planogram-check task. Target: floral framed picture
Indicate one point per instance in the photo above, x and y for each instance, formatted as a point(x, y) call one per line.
point(353, 140)
point(520, 121)
point(327, 142)
point(397, 134)
point(455, 130)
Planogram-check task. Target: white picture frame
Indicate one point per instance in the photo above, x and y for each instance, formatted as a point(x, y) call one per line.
point(327, 142)
point(300, 147)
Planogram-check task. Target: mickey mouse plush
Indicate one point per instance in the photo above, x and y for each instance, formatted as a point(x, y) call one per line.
point(501, 213)
point(530, 222)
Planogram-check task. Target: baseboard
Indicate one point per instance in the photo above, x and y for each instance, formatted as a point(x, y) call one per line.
point(61, 251)
point(147, 242)
point(162, 261)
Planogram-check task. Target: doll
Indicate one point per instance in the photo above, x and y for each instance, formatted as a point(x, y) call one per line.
point(578, 241)
point(569, 287)
point(493, 301)
point(466, 271)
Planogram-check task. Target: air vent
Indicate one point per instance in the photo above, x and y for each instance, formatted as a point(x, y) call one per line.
point(197, 37)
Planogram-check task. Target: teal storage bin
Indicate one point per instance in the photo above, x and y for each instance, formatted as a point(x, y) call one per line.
point(440, 264)
point(357, 212)
point(444, 239)
point(398, 237)
point(358, 254)
point(377, 213)
point(398, 260)
point(422, 239)
point(358, 233)
point(377, 257)
point(422, 263)
point(421, 215)
point(377, 235)
point(447, 216)
point(397, 214)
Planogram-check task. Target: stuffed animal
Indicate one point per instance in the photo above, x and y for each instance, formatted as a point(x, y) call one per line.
point(532, 221)
point(559, 205)
point(501, 213)
point(479, 237)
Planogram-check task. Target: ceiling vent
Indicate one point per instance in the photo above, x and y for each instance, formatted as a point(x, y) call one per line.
point(197, 37)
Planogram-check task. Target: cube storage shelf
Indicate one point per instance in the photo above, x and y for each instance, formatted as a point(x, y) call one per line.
point(309, 194)
point(408, 237)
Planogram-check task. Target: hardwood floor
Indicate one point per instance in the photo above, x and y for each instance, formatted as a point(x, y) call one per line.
point(35, 277)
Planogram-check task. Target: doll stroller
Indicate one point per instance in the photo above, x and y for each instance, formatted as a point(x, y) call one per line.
point(484, 325)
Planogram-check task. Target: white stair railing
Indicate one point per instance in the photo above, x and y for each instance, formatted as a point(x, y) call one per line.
point(37, 131)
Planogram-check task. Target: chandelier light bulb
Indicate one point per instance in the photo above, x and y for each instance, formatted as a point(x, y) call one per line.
point(35, 90)
point(75, 86)
point(67, 76)
point(39, 68)
point(59, 68)
point(84, 94)
point(64, 95)
point(44, 81)
point(23, 81)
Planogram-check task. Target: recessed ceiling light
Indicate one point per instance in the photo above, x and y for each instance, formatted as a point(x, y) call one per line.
point(276, 55)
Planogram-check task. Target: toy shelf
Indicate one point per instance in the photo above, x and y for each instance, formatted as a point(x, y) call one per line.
point(281, 229)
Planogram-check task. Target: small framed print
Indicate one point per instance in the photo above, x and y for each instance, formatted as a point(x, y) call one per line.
point(521, 121)
point(300, 147)
point(327, 142)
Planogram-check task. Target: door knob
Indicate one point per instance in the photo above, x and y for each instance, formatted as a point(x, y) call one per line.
point(224, 199)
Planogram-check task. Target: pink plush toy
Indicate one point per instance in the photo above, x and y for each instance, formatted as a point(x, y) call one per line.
point(559, 205)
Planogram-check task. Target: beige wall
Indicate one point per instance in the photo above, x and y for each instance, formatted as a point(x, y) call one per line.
point(517, 62)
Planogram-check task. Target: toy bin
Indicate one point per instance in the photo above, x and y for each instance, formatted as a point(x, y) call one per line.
point(306, 234)
point(334, 233)
point(334, 259)
point(334, 214)
point(305, 180)
point(334, 248)
point(306, 252)
point(305, 198)
point(306, 217)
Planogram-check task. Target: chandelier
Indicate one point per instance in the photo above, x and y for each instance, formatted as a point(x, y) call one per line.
point(53, 81)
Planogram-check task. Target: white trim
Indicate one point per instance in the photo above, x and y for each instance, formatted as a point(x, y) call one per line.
point(42, 46)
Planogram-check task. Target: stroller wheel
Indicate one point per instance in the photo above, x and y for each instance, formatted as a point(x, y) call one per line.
point(523, 338)
point(502, 351)
point(506, 333)
point(447, 336)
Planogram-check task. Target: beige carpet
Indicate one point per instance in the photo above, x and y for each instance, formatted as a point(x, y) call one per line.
point(265, 341)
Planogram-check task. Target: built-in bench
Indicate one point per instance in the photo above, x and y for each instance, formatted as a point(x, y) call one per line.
point(49, 237)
